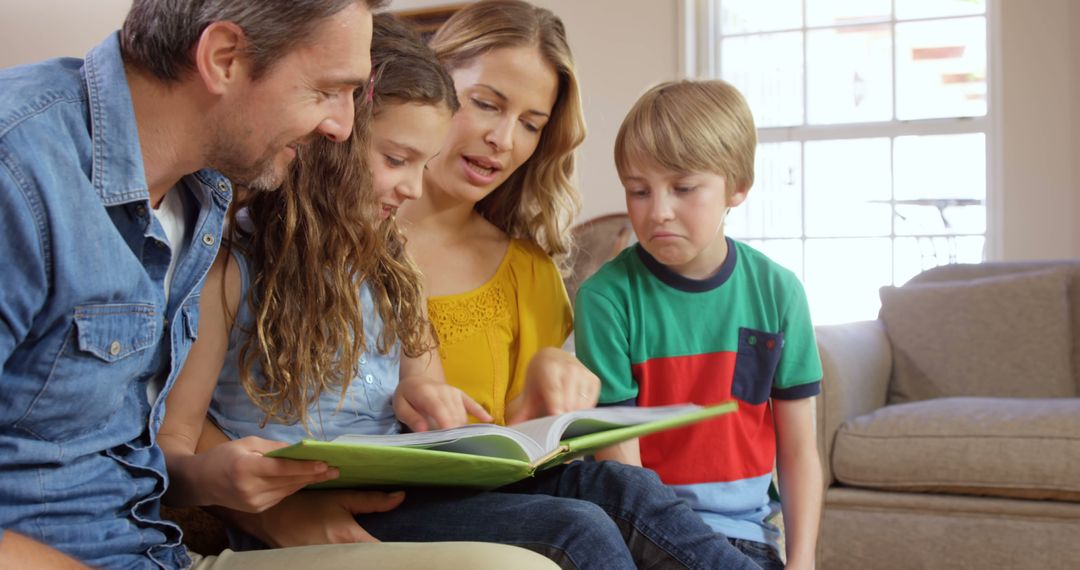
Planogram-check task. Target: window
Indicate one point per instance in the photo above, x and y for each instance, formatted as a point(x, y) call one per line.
point(872, 121)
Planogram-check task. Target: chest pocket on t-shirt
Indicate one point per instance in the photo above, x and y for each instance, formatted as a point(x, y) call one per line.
point(755, 364)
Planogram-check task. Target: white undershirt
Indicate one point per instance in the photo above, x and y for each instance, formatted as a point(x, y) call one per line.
point(170, 214)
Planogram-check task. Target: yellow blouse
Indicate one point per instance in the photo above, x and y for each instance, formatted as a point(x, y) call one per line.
point(488, 335)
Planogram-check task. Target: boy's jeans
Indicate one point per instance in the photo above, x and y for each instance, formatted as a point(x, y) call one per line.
point(582, 515)
point(762, 554)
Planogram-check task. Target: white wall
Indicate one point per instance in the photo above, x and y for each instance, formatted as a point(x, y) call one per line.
point(38, 29)
point(1074, 51)
point(1039, 131)
point(623, 46)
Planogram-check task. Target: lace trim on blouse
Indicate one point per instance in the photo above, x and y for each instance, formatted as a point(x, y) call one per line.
point(459, 317)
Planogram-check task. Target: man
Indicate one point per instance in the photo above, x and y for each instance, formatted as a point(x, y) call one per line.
point(114, 180)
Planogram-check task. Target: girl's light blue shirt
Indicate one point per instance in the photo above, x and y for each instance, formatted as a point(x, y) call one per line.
point(368, 404)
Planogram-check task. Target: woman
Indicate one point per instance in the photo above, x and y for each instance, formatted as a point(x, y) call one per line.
point(496, 207)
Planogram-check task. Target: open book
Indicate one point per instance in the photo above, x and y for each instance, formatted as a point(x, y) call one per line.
point(486, 456)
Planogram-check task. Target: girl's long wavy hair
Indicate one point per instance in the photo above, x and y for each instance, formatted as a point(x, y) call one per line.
point(538, 201)
point(309, 244)
point(318, 238)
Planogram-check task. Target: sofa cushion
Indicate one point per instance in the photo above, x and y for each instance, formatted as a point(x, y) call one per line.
point(1006, 336)
point(1021, 448)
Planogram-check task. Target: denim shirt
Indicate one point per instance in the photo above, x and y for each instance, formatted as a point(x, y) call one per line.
point(84, 322)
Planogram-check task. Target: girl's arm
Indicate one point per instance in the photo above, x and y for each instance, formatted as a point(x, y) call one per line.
point(234, 474)
point(305, 517)
point(800, 479)
point(423, 400)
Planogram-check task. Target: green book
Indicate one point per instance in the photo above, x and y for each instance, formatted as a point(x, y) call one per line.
point(486, 456)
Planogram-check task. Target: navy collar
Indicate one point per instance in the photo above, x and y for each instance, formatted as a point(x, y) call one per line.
point(682, 283)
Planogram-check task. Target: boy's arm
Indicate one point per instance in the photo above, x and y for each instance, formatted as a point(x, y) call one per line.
point(235, 473)
point(628, 452)
point(800, 479)
point(601, 342)
point(18, 551)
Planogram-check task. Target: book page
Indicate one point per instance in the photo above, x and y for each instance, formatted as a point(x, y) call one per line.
point(551, 430)
point(476, 439)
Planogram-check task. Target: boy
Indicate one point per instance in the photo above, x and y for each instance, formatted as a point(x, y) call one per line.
point(690, 315)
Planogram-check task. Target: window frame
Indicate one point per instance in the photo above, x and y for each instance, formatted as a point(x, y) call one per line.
point(699, 37)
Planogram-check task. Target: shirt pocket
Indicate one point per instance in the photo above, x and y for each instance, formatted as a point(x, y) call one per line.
point(102, 357)
point(755, 364)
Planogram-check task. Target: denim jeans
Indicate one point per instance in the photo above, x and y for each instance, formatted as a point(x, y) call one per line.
point(581, 515)
point(762, 554)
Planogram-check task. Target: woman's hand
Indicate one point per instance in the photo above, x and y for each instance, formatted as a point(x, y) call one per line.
point(317, 517)
point(556, 382)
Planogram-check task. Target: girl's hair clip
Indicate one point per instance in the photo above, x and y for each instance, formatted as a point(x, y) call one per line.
point(370, 96)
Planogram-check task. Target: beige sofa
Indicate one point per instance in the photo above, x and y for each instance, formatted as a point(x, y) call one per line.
point(950, 427)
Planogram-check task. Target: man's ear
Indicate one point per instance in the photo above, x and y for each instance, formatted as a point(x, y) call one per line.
point(220, 56)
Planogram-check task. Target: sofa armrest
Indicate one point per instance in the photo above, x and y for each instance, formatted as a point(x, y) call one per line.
point(856, 361)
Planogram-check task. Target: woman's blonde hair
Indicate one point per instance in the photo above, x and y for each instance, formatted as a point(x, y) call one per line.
point(538, 201)
point(315, 240)
point(691, 126)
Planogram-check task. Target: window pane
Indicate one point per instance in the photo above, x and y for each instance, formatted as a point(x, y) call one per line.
point(940, 184)
point(849, 75)
point(941, 69)
point(908, 9)
point(843, 277)
point(835, 12)
point(742, 16)
point(767, 69)
point(848, 188)
point(914, 255)
point(774, 206)
point(786, 252)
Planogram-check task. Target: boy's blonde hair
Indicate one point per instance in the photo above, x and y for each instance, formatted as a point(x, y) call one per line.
point(538, 201)
point(691, 126)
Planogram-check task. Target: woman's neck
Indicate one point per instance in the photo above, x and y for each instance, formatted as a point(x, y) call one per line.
point(434, 211)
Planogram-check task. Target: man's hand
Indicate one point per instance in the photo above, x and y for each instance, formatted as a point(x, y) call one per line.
point(424, 404)
point(555, 382)
point(318, 517)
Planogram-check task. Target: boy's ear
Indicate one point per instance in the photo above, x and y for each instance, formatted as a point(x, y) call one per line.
point(220, 56)
point(738, 195)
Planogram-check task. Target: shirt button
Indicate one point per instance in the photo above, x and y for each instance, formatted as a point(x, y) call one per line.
point(221, 185)
point(363, 360)
point(369, 378)
point(114, 348)
point(208, 239)
point(140, 210)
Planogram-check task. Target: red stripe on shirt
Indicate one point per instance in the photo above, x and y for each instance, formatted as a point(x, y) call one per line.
point(731, 447)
